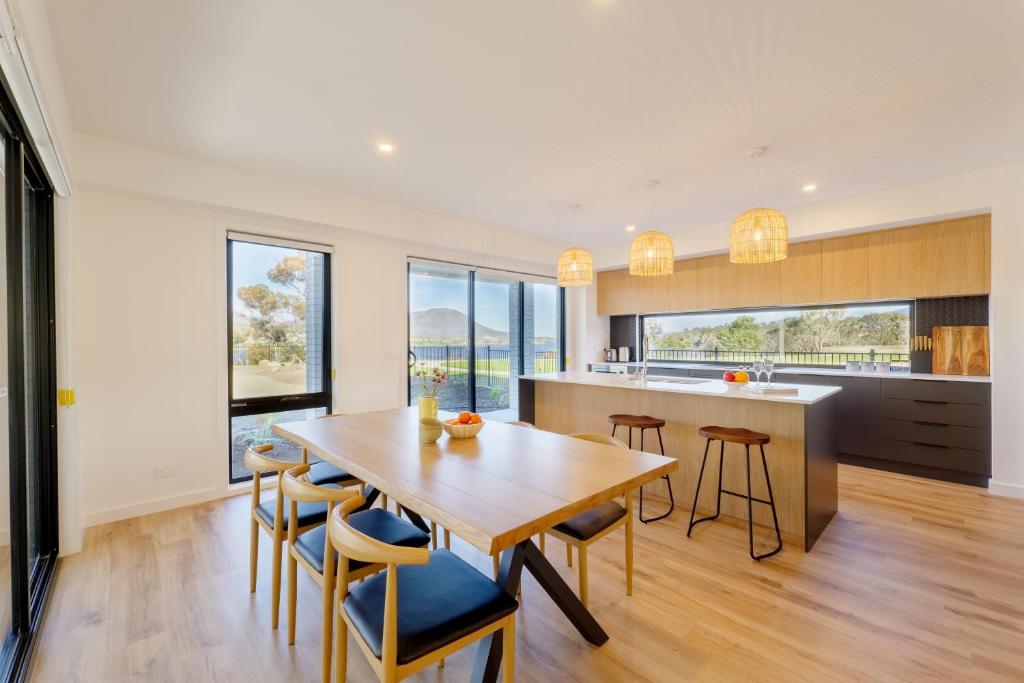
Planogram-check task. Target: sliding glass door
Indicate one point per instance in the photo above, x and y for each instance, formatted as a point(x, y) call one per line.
point(483, 328)
point(28, 458)
point(278, 342)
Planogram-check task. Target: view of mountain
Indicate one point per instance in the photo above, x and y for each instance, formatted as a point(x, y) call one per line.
point(447, 324)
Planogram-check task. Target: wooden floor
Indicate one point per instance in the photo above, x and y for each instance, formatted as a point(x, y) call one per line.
point(913, 580)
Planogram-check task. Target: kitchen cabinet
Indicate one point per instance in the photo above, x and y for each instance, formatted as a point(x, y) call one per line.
point(858, 415)
point(800, 274)
point(844, 269)
point(945, 258)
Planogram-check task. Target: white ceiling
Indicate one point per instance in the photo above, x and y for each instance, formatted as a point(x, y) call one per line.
point(508, 112)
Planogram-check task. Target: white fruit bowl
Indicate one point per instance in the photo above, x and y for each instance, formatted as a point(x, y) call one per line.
point(461, 431)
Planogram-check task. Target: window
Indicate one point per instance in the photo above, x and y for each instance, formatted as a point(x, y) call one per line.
point(278, 342)
point(825, 336)
point(484, 328)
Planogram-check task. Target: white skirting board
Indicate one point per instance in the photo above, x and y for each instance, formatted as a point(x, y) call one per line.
point(116, 514)
point(1008, 490)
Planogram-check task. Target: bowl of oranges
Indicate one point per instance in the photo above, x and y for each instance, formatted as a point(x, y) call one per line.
point(735, 379)
point(465, 426)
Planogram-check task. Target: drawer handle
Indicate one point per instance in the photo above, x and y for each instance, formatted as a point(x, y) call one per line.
point(930, 424)
point(938, 403)
point(929, 445)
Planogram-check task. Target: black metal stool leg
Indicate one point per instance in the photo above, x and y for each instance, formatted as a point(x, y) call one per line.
point(671, 498)
point(771, 504)
point(696, 493)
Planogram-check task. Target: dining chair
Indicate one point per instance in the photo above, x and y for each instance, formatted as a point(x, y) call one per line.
point(312, 550)
point(323, 472)
point(591, 526)
point(425, 606)
point(272, 517)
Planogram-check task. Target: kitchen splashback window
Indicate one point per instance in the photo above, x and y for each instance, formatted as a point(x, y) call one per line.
point(817, 336)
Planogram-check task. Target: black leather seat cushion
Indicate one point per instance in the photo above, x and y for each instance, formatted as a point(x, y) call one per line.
point(376, 523)
point(308, 513)
point(438, 603)
point(592, 522)
point(325, 473)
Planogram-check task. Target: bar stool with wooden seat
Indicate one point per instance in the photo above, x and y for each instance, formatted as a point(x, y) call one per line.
point(643, 423)
point(426, 606)
point(746, 438)
point(272, 517)
point(310, 549)
point(591, 526)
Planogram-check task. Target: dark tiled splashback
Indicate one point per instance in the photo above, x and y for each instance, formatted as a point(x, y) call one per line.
point(954, 310)
point(622, 332)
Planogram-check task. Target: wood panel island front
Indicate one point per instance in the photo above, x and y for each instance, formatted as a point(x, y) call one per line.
point(801, 456)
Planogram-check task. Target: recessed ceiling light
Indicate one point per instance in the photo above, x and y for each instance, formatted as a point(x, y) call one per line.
point(630, 228)
point(385, 147)
point(809, 187)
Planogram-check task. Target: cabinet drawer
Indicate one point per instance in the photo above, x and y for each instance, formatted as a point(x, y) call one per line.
point(962, 414)
point(975, 393)
point(959, 459)
point(972, 438)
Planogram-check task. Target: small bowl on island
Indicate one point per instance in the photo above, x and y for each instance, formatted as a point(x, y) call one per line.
point(735, 380)
point(465, 426)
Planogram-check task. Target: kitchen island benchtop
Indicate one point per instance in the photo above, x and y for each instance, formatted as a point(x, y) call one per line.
point(805, 395)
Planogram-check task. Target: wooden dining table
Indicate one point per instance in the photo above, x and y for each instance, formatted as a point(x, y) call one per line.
point(494, 491)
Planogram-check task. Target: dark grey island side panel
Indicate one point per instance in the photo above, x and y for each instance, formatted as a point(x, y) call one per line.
point(527, 391)
point(821, 469)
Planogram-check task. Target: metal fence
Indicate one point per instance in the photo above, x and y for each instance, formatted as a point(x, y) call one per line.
point(493, 363)
point(827, 358)
point(253, 354)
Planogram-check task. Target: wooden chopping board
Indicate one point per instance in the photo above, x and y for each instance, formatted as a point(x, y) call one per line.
point(960, 350)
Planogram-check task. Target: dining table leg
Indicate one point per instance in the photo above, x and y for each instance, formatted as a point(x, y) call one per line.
point(526, 554)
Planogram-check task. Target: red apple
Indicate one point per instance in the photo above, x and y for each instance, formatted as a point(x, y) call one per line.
point(729, 376)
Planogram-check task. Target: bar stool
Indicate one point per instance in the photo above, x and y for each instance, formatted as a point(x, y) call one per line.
point(643, 423)
point(746, 438)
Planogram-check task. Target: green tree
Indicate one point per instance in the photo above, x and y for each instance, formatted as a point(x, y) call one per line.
point(742, 334)
point(275, 316)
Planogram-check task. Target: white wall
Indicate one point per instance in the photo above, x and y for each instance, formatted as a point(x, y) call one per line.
point(999, 190)
point(150, 296)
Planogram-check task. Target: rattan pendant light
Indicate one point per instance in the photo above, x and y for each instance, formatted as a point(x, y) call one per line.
point(759, 235)
point(575, 268)
point(652, 254)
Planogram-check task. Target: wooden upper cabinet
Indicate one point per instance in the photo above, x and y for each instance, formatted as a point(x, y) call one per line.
point(844, 269)
point(800, 274)
point(895, 260)
point(946, 258)
point(957, 257)
point(715, 287)
point(684, 294)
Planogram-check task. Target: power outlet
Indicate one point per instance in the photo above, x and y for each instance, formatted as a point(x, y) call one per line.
point(161, 471)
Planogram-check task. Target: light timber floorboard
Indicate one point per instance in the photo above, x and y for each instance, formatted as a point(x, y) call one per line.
point(913, 580)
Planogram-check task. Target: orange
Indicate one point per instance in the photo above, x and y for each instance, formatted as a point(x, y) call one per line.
point(464, 418)
point(742, 376)
point(475, 419)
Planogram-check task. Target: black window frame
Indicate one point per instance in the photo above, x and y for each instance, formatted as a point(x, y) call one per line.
point(260, 405)
point(642, 318)
point(471, 335)
point(30, 585)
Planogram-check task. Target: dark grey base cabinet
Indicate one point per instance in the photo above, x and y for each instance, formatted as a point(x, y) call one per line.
point(939, 429)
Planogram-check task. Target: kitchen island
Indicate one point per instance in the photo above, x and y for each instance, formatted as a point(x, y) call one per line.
point(801, 457)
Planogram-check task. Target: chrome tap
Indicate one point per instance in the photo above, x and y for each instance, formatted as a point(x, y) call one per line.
point(641, 372)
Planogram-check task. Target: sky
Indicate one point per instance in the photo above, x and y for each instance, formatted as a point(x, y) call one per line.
point(251, 262)
point(430, 291)
point(691, 321)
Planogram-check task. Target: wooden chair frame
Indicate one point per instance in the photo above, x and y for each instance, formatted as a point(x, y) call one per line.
point(259, 463)
point(582, 546)
point(351, 544)
point(298, 490)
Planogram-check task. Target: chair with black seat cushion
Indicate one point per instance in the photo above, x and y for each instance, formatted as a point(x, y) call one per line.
point(591, 526)
point(322, 472)
point(273, 518)
point(312, 550)
point(427, 605)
